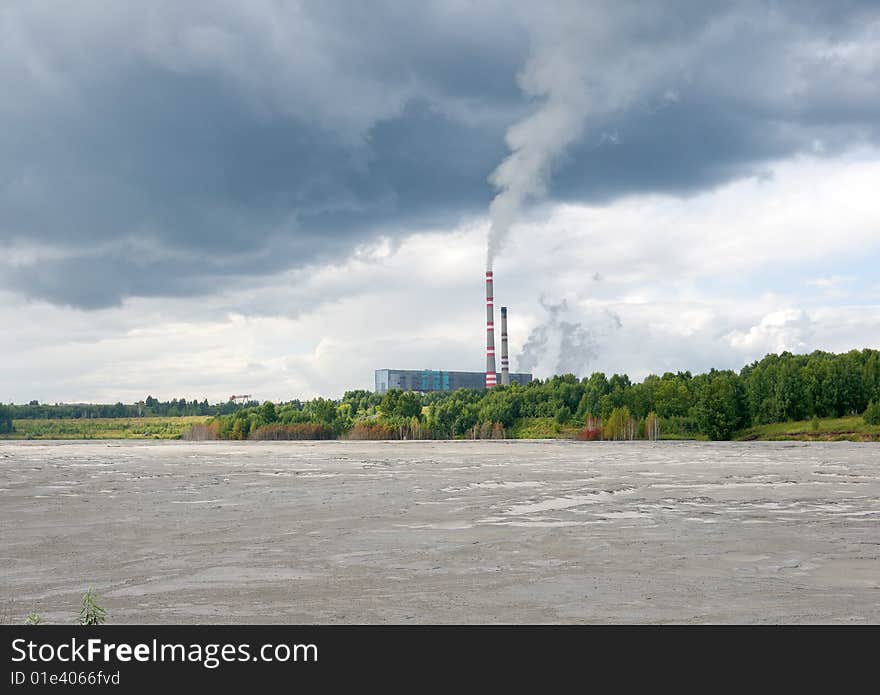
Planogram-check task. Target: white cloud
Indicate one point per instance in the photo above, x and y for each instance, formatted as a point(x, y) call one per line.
point(779, 331)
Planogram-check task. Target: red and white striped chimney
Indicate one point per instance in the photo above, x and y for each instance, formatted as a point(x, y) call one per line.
point(505, 364)
point(491, 376)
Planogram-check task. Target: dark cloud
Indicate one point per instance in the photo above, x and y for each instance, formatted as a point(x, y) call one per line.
point(164, 151)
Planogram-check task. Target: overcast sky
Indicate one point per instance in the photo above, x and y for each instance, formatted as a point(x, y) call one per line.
point(202, 198)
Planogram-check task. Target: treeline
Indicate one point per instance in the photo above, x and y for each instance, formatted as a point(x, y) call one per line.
point(715, 404)
point(320, 418)
point(149, 407)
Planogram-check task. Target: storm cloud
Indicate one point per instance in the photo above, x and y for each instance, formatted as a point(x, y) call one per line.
point(168, 149)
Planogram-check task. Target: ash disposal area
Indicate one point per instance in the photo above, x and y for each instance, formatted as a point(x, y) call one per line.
point(442, 532)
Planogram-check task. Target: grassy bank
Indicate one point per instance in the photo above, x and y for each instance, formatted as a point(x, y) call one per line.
point(105, 428)
point(851, 429)
point(834, 429)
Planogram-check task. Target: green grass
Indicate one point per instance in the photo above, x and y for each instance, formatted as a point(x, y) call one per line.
point(542, 428)
point(833, 429)
point(676, 437)
point(851, 428)
point(105, 428)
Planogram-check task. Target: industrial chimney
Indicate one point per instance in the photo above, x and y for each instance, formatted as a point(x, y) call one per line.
point(505, 364)
point(491, 376)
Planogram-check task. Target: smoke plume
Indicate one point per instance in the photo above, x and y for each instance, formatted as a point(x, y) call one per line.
point(555, 75)
point(565, 344)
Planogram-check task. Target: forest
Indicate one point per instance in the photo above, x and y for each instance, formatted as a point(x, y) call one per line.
point(149, 407)
point(717, 405)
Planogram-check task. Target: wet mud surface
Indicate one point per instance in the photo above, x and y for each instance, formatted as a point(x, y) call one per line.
point(427, 532)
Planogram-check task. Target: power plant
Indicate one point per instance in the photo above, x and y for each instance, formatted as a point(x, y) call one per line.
point(427, 380)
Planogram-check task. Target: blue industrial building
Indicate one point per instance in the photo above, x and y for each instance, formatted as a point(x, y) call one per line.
point(426, 380)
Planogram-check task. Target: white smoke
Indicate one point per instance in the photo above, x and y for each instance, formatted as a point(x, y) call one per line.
point(556, 75)
point(570, 77)
point(563, 344)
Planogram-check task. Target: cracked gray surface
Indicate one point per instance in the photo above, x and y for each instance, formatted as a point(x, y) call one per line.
point(424, 532)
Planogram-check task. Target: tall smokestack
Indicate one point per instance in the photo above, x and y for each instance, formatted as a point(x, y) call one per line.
point(491, 376)
point(505, 364)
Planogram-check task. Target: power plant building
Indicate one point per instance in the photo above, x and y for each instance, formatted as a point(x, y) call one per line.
point(426, 380)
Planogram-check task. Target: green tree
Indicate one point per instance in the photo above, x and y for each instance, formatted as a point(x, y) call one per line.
point(241, 427)
point(872, 413)
point(721, 406)
point(594, 389)
point(652, 426)
point(322, 410)
point(620, 425)
point(671, 398)
point(789, 392)
point(409, 405)
point(5, 419)
point(563, 415)
point(388, 405)
point(268, 412)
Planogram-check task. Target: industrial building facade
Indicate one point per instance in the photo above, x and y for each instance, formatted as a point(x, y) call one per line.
point(430, 380)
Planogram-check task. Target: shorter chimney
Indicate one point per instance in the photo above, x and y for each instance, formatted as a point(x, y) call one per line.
point(505, 365)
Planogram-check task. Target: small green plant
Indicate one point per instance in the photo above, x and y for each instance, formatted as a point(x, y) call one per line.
point(814, 423)
point(872, 413)
point(92, 613)
point(33, 618)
